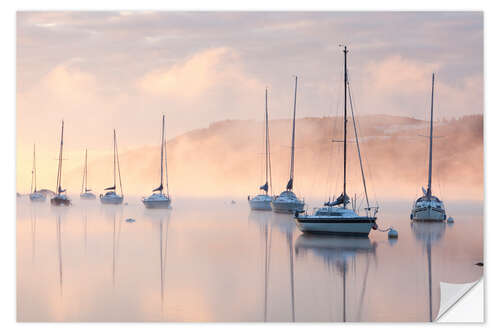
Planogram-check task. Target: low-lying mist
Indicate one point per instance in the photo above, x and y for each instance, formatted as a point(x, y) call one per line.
point(227, 159)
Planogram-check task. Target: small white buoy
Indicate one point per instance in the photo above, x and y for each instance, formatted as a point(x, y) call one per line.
point(451, 220)
point(130, 220)
point(393, 233)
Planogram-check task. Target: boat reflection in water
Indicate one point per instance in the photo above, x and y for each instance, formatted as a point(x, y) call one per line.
point(59, 253)
point(262, 219)
point(160, 221)
point(113, 214)
point(33, 220)
point(429, 234)
point(336, 252)
point(117, 227)
point(284, 224)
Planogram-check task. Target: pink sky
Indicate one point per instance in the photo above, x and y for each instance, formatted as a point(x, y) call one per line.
point(105, 70)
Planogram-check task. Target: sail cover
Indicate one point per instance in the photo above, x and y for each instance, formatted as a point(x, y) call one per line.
point(341, 200)
point(110, 188)
point(289, 186)
point(264, 187)
point(159, 188)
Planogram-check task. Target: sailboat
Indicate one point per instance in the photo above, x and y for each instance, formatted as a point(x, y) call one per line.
point(287, 201)
point(159, 199)
point(60, 199)
point(336, 217)
point(111, 197)
point(86, 193)
point(429, 207)
point(263, 201)
point(35, 195)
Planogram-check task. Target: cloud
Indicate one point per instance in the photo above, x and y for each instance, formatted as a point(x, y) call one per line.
point(200, 73)
point(68, 84)
point(65, 91)
point(401, 75)
point(401, 85)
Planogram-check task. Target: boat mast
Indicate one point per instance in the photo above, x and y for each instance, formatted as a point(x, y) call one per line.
point(83, 177)
point(85, 170)
point(289, 186)
point(118, 166)
point(267, 149)
point(59, 168)
point(114, 159)
point(161, 155)
point(345, 123)
point(33, 173)
point(166, 169)
point(429, 191)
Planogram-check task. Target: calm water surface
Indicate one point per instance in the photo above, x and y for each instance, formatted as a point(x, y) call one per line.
point(209, 260)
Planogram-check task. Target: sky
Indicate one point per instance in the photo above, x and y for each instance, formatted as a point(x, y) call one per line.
point(105, 70)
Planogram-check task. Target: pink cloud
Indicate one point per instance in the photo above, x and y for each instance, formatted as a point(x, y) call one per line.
point(198, 74)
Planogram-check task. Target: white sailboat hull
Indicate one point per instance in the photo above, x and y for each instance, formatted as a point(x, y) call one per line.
point(260, 202)
point(335, 228)
point(260, 205)
point(431, 214)
point(157, 203)
point(87, 196)
point(111, 200)
point(37, 197)
point(60, 200)
point(289, 207)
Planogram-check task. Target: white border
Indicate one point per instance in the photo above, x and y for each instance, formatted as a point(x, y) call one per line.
point(7, 242)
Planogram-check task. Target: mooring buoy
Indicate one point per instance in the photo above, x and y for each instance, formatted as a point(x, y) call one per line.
point(393, 233)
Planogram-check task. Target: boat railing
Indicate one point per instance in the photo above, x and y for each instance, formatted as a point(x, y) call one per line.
point(373, 209)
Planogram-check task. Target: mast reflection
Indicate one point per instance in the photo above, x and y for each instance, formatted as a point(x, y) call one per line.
point(262, 220)
point(335, 252)
point(59, 253)
point(116, 215)
point(161, 219)
point(429, 234)
point(33, 220)
point(286, 225)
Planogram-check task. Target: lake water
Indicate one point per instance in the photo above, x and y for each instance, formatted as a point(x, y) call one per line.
point(210, 260)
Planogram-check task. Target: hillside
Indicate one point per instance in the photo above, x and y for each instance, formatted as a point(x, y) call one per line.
point(227, 159)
